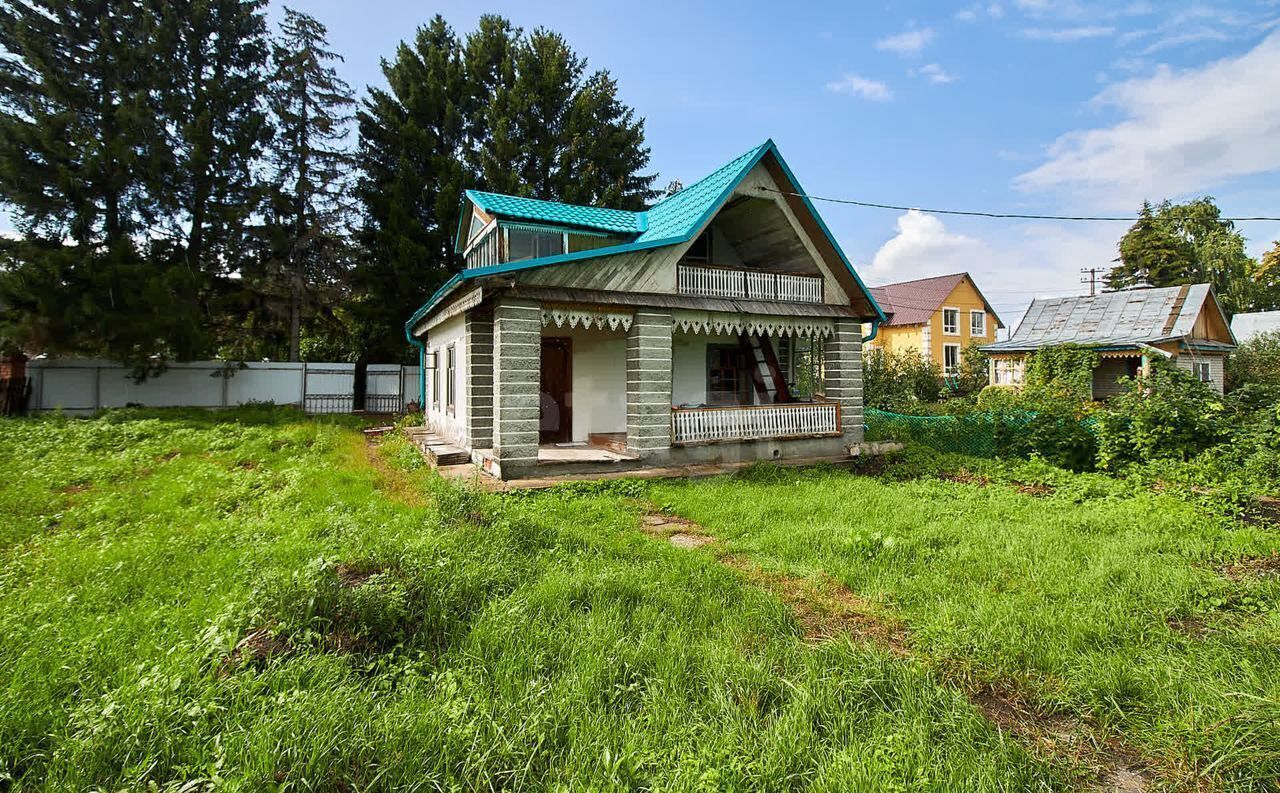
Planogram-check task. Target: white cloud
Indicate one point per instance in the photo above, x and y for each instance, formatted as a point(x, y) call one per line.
point(1066, 35)
point(934, 74)
point(1015, 265)
point(978, 10)
point(1181, 132)
point(910, 42)
point(861, 87)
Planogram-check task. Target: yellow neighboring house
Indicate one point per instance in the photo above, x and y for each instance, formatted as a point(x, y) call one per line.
point(938, 317)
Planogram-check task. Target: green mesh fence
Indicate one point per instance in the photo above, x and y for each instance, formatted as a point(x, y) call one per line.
point(980, 434)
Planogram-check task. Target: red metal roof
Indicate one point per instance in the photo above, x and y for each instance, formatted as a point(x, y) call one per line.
point(914, 302)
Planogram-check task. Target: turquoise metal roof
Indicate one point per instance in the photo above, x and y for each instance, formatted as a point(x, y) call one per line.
point(672, 221)
point(509, 206)
point(678, 216)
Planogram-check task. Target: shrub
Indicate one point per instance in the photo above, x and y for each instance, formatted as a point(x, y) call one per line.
point(1255, 363)
point(1167, 414)
point(1062, 372)
point(899, 380)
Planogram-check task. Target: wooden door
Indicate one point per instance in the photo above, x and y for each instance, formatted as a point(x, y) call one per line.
point(555, 416)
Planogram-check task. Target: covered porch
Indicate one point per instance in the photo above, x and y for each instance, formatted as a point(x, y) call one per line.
point(576, 386)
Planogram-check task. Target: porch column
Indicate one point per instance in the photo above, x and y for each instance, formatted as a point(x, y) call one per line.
point(842, 375)
point(649, 384)
point(517, 365)
point(480, 358)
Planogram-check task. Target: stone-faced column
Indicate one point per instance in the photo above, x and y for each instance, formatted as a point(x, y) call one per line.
point(649, 384)
point(479, 379)
point(517, 370)
point(842, 378)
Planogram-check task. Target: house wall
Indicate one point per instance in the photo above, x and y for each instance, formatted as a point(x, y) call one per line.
point(451, 425)
point(599, 398)
point(965, 298)
point(689, 366)
point(1106, 376)
point(897, 339)
point(1217, 374)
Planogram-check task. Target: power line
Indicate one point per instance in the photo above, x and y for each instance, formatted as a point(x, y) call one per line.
point(977, 214)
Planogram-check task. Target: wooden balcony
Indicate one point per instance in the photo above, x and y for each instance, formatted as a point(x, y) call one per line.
point(692, 426)
point(748, 284)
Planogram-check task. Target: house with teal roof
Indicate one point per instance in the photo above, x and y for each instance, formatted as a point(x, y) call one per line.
point(722, 324)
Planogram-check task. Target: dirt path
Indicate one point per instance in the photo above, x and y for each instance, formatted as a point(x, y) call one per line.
point(826, 610)
point(393, 482)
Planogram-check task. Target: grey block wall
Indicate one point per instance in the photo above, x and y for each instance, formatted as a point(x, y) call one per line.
point(842, 375)
point(479, 379)
point(649, 384)
point(517, 364)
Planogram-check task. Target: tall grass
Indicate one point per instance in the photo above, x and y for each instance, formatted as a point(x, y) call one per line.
point(425, 637)
point(1098, 600)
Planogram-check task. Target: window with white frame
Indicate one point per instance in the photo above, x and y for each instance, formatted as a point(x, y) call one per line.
point(1203, 372)
point(1008, 371)
point(951, 321)
point(450, 377)
point(951, 359)
point(435, 379)
point(977, 323)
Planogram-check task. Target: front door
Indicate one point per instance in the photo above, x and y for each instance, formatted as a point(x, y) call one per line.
point(555, 419)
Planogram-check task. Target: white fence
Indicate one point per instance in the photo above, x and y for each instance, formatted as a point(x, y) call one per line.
point(79, 386)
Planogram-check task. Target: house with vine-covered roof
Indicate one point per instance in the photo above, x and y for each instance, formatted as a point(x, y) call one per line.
point(722, 324)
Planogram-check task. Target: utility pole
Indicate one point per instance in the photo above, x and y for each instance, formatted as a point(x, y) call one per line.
point(1091, 278)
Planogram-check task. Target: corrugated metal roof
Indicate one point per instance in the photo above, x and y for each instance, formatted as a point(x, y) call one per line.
point(510, 206)
point(1246, 326)
point(1110, 319)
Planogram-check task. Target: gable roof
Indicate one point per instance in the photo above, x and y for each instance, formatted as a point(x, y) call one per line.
point(915, 302)
point(674, 220)
point(1248, 325)
point(1129, 318)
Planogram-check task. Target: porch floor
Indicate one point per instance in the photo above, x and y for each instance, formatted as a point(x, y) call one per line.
point(552, 454)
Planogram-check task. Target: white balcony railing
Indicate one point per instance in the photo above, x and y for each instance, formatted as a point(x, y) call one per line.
point(748, 284)
point(749, 422)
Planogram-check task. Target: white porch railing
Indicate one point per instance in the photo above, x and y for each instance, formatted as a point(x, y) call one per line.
point(748, 284)
point(748, 422)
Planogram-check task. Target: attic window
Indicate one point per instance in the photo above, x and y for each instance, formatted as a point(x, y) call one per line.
point(525, 244)
point(700, 249)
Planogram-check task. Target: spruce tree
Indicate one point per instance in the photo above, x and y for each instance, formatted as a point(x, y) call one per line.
point(308, 208)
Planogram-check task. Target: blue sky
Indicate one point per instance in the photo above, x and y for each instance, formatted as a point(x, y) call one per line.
point(1033, 106)
point(1039, 106)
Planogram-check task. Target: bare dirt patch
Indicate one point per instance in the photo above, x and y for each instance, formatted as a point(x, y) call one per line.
point(351, 576)
point(1262, 567)
point(966, 478)
point(257, 645)
point(1027, 489)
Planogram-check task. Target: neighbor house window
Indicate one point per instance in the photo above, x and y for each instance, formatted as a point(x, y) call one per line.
point(525, 244)
point(977, 323)
point(728, 379)
point(1008, 371)
point(951, 321)
point(450, 377)
point(951, 359)
point(1203, 372)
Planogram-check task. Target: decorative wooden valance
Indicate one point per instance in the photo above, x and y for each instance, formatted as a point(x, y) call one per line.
point(717, 323)
point(597, 317)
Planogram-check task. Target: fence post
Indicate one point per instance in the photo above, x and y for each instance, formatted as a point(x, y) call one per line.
point(303, 402)
point(97, 388)
point(226, 385)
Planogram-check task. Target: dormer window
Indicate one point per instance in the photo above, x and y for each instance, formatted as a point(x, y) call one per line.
point(525, 243)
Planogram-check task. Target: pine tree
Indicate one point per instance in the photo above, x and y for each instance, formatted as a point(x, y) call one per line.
point(308, 205)
point(1151, 254)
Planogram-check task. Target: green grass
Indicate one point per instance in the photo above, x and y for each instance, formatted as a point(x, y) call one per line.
point(526, 643)
point(1069, 597)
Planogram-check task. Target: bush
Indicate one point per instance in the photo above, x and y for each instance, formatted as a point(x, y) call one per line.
point(898, 381)
point(1167, 414)
point(1255, 363)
